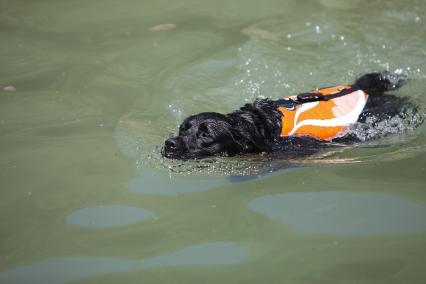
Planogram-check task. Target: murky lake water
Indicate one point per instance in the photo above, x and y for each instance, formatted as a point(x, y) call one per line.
point(90, 89)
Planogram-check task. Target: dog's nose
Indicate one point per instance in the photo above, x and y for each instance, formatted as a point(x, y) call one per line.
point(173, 147)
point(171, 144)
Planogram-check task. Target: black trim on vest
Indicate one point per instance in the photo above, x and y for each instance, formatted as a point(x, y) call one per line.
point(315, 97)
point(312, 97)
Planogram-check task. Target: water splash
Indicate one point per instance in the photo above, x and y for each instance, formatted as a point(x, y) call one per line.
point(138, 139)
point(375, 128)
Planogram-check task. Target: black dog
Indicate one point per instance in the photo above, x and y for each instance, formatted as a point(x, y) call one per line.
point(259, 127)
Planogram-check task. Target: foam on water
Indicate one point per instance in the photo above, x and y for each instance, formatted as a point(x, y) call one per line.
point(373, 128)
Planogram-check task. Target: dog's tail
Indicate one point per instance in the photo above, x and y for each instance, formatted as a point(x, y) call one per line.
point(380, 82)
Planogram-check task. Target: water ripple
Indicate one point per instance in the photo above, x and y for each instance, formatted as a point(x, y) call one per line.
point(66, 269)
point(343, 213)
point(109, 216)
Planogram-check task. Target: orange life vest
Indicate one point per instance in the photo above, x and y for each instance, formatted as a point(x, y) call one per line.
point(326, 115)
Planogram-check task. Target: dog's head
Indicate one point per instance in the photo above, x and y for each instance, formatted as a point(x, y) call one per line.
point(202, 135)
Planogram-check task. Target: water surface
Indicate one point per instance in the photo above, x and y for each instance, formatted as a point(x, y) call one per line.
point(89, 90)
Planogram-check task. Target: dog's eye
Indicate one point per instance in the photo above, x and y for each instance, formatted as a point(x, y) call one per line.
point(203, 131)
point(185, 126)
point(204, 135)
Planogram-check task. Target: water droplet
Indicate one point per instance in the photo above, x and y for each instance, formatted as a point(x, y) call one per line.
point(9, 88)
point(417, 19)
point(317, 29)
point(289, 35)
point(398, 71)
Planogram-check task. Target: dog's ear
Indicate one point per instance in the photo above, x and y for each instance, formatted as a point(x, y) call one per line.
point(247, 142)
point(239, 139)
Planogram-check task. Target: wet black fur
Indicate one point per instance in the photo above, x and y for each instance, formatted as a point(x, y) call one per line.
point(256, 127)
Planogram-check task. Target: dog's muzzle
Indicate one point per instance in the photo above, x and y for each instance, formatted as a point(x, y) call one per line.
point(173, 148)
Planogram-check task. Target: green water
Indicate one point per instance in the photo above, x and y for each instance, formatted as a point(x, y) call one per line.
point(90, 89)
